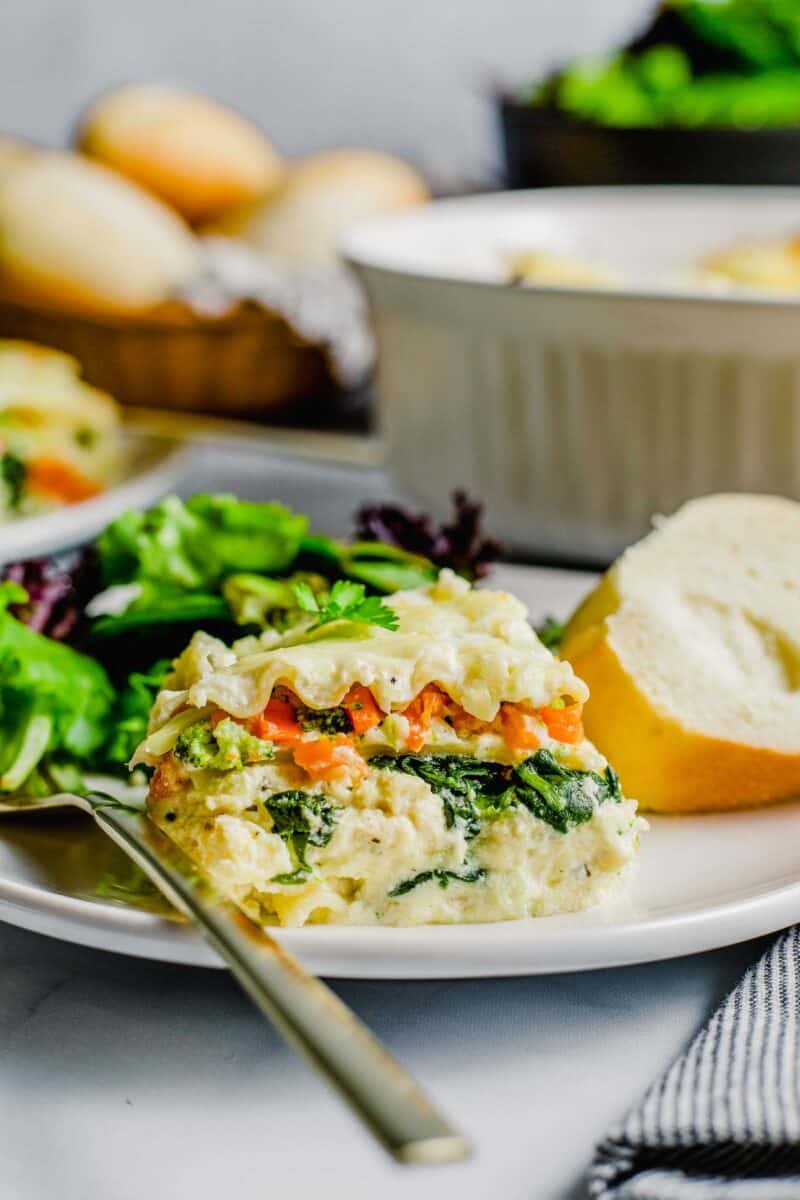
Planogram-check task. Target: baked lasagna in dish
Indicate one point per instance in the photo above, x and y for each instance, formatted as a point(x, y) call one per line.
point(424, 764)
point(772, 266)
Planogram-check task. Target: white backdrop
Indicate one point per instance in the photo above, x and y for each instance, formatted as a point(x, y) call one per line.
point(411, 76)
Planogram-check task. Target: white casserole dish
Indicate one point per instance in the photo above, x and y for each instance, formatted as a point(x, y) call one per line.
point(575, 414)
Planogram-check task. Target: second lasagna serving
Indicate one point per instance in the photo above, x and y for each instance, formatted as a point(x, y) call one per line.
point(404, 762)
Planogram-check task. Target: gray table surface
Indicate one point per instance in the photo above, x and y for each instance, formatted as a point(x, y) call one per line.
point(122, 1079)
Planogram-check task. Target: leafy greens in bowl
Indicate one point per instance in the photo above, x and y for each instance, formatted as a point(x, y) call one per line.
point(699, 64)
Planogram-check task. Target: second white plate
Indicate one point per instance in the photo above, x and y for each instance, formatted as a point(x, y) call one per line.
point(154, 466)
point(703, 882)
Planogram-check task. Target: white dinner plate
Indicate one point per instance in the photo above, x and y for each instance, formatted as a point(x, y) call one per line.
point(154, 465)
point(702, 882)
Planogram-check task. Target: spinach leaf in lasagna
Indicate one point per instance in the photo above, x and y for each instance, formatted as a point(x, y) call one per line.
point(471, 790)
point(468, 787)
point(438, 875)
point(301, 820)
point(562, 796)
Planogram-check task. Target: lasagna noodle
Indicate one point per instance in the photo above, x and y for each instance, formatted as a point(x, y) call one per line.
point(477, 645)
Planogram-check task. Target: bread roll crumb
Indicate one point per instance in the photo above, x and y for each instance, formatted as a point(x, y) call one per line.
point(690, 646)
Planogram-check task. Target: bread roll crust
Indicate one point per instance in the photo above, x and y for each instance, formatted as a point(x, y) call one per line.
point(199, 156)
point(666, 767)
point(321, 195)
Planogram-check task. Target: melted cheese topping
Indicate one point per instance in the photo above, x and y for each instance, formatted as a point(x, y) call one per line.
point(476, 644)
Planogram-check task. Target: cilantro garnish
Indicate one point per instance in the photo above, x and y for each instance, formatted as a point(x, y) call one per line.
point(346, 601)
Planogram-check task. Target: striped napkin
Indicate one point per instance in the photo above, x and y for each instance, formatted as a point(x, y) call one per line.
point(723, 1123)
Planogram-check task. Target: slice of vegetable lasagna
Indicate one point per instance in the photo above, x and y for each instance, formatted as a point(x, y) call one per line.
point(408, 762)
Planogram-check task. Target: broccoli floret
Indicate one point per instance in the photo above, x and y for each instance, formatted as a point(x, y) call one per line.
point(326, 720)
point(225, 747)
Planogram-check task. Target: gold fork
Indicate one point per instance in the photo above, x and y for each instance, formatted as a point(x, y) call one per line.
point(304, 1011)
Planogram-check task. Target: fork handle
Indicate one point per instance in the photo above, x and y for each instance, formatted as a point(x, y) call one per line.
point(308, 1015)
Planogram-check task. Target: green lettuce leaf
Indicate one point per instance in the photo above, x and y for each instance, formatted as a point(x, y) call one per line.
point(132, 712)
point(193, 545)
point(382, 567)
point(53, 701)
point(269, 603)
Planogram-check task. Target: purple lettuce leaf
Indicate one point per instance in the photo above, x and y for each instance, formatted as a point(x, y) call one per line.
point(458, 543)
point(58, 591)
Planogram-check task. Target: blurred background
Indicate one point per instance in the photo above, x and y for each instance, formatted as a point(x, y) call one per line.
point(442, 239)
point(413, 77)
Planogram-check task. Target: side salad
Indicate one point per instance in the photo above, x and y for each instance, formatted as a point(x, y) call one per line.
point(85, 642)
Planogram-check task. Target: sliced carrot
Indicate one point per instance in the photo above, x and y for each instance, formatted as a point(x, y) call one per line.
point(520, 727)
point(277, 723)
point(329, 758)
point(465, 724)
point(431, 702)
point(564, 724)
point(362, 710)
point(57, 480)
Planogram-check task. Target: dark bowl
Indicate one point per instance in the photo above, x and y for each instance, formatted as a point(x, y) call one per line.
point(543, 149)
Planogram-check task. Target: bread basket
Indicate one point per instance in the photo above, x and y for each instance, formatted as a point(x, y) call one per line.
point(576, 414)
point(247, 361)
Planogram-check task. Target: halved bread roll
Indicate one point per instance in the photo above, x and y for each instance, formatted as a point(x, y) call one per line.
point(321, 196)
point(690, 646)
point(200, 156)
point(75, 235)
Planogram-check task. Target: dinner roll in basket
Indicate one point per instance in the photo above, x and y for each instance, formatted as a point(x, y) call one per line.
point(13, 151)
point(200, 156)
point(320, 197)
point(75, 235)
point(691, 648)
